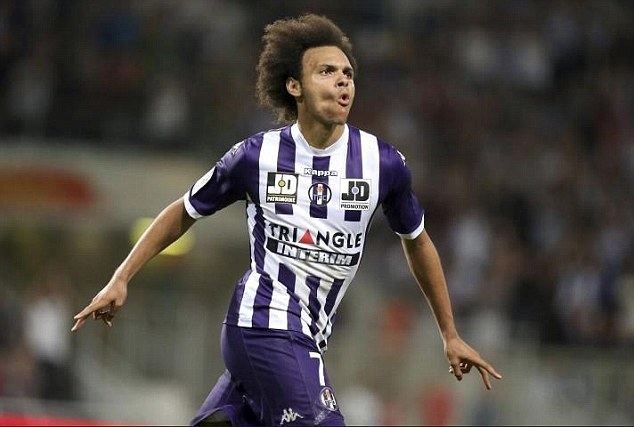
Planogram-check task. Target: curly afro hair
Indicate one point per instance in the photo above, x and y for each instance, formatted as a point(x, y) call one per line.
point(285, 42)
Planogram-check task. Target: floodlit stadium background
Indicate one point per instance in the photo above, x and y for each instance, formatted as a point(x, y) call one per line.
point(517, 120)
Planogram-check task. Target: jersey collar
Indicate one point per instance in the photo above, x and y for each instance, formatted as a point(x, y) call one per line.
point(336, 146)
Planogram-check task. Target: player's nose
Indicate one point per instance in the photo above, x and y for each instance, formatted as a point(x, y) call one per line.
point(343, 81)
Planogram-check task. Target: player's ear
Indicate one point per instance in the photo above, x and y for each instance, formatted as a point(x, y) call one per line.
point(294, 87)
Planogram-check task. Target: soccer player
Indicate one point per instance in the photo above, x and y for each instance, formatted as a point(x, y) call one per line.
point(311, 189)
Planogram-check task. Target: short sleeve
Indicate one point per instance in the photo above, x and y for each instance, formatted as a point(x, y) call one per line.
point(401, 207)
point(220, 187)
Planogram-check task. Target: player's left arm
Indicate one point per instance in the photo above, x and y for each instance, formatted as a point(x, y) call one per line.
point(424, 262)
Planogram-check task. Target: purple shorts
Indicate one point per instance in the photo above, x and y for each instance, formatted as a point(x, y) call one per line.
point(273, 377)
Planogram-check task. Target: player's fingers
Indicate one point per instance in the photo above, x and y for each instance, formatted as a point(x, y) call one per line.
point(107, 310)
point(118, 303)
point(108, 320)
point(455, 369)
point(78, 324)
point(485, 377)
point(491, 370)
point(465, 367)
point(86, 311)
point(106, 313)
point(90, 308)
point(481, 363)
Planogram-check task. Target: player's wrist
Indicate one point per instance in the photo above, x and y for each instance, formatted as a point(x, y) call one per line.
point(121, 277)
point(449, 335)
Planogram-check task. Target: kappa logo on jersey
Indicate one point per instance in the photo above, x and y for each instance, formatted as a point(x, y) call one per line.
point(319, 194)
point(289, 416)
point(356, 194)
point(327, 398)
point(315, 172)
point(281, 187)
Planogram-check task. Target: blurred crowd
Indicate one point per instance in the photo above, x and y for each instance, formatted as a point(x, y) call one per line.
point(35, 346)
point(516, 118)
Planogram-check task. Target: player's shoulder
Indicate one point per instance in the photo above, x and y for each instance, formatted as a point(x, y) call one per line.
point(388, 153)
point(243, 148)
point(254, 142)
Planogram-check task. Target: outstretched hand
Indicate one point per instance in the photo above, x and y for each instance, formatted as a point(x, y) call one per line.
point(104, 305)
point(462, 358)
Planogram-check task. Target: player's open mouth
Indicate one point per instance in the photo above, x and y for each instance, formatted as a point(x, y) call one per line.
point(344, 100)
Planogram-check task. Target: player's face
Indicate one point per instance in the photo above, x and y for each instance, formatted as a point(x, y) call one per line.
point(327, 85)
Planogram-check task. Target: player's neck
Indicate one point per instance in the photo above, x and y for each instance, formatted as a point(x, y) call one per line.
point(319, 135)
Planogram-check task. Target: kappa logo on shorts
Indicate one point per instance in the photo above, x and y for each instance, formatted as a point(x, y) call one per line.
point(289, 416)
point(281, 187)
point(327, 398)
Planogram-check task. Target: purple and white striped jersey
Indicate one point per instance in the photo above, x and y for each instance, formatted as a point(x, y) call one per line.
point(308, 211)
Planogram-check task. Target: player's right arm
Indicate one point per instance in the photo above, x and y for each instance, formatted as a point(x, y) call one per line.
point(221, 186)
point(168, 226)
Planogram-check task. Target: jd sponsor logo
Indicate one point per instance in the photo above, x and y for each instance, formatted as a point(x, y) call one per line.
point(281, 187)
point(319, 194)
point(355, 194)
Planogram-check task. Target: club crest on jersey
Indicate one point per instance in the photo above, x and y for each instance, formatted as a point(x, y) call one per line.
point(319, 194)
point(327, 398)
point(281, 187)
point(355, 194)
